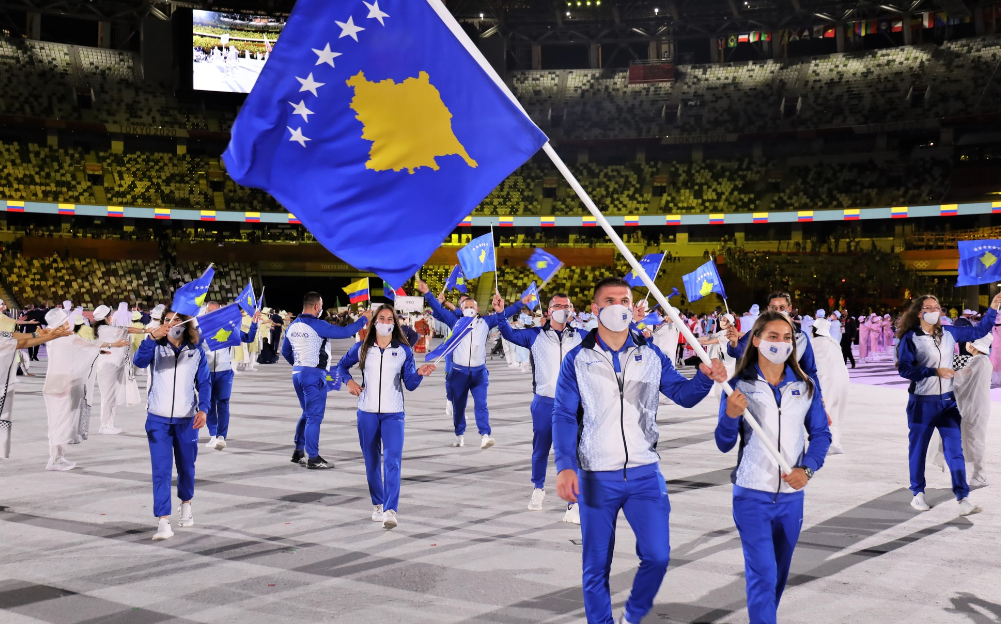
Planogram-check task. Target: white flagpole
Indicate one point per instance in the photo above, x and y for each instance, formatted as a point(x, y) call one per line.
point(659, 296)
point(465, 333)
point(496, 264)
point(662, 256)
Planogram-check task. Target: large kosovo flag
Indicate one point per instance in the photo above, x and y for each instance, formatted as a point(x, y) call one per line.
point(979, 262)
point(370, 115)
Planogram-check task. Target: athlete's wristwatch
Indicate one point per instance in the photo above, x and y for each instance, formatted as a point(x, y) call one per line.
point(808, 471)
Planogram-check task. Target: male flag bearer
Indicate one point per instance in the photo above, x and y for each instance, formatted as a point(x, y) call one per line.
point(469, 363)
point(605, 422)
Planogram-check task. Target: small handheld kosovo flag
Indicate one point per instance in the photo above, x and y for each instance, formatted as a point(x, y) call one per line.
point(459, 331)
point(191, 297)
point(477, 257)
point(221, 329)
point(533, 296)
point(979, 262)
point(368, 113)
point(333, 379)
point(651, 265)
point(544, 264)
point(247, 299)
point(456, 280)
point(703, 281)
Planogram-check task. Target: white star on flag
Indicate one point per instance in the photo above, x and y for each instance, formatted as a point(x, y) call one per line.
point(300, 109)
point(308, 84)
point(297, 136)
point(326, 56)
point(348, 29)
point(374, 12)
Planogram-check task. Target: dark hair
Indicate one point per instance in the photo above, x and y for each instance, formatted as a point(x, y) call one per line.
point(911, 318)
point(561, 295)
point(371, 335)
point(750, 357)
point(190, 331)
point(311, 299)
point(781, 294)
point(609, 281)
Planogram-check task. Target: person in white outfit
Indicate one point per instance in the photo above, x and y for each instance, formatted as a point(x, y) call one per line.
point(715, 345)
point(112, 365)
point(71, 359)
point(834, 379)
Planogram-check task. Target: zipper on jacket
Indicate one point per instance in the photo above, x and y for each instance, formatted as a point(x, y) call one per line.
point(382, 355)
point(622, 412)
point(778, 488)
point(173, 387)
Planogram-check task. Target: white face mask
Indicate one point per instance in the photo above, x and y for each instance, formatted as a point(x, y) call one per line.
point(775, 352)
point(470, 312)
point(176, 331)
point(560, 316)
point(931, 317)
point(384, 329)
point(615, 317)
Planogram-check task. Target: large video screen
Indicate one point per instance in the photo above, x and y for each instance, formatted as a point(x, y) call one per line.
point(230, 49)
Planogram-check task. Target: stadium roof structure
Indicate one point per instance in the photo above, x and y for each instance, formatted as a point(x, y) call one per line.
point(563, 21)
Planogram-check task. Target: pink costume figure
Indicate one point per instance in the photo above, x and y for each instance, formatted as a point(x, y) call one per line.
point(996, 355)
point(863, 339)
point(875, 330)
point(887, 332)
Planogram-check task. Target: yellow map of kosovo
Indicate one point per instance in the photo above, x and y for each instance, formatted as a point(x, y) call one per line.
point(408, 124)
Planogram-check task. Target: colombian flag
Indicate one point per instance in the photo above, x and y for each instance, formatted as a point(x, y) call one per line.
point(804, 216)
point(15, 206)
point(357, 291)
point(208, 215)
point(632, 221)
point(588, 221)
point(996, 207)
point(898, 212)
point(547, 221)
point(948, 210)
point(161, 213)
point(506, 221)
point(67, 209)
point(116, 211)
point(252, 217)
point(292, 219)
point(715, 219)
point(467, 222)
point(672, 220)
point(851, 214)
point(760, 217)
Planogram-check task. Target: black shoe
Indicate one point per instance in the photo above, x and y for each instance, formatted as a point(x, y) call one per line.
point(298, 456)
point(318, 464)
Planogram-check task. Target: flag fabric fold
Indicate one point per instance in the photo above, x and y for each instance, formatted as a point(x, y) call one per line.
point(477, 257)
point(221, 329)
point(459, 331)
point(532, 292)
point(979, 262)
point(368, 115)
point(189, 298)
point(544, 264)
point(456, 280)
point(651, 265)
point(392, 293)
point(703, 281)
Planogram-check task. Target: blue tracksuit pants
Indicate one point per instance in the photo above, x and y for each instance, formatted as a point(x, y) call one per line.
point(542, 438)
point(172, 442)
point(925, 414)
point(769, 529)
point(311, 388)
point(381, 437)
point(466, 381)
point(642, 495)
point(217, 418)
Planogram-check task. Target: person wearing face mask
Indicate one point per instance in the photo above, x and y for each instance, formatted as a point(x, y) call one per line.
point(768, 504)
point(306, 349)
point(469, 374)
point(924, 354)
point(780, 302)
point(179, 396)
point(387, 365)
point(605, 425)
point(547, 346)
point(221, 373)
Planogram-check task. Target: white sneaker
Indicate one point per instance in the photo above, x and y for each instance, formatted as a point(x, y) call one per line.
point(211, 443)
point(109, 430)
point(536, 503)
point(186, 518)
point(978, 482)
point(220, 443)
point(163, 530)
point(623, 620)
point(390, 521)
point(572, 515)
point(836, 449)
point(486, 442)
point(378, 515)
point(459, 441)
point(62, 465)
point(918, 502)
point(967, 508)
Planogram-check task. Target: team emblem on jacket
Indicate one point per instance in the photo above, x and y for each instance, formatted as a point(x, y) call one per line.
point(395, 353)
point(795, 392)
point(639, 358)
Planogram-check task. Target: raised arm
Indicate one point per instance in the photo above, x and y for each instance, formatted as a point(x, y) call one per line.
point(521, 337)
point(439, 312)
point(336, 332)
point(981, 329)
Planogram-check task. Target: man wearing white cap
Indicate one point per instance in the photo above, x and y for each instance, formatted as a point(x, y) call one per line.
point(833, 376)
point(71, 359)
point(112, 365)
